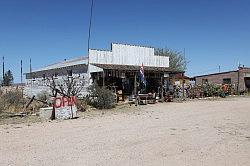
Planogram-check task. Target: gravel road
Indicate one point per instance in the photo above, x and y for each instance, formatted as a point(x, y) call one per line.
point(215, 133)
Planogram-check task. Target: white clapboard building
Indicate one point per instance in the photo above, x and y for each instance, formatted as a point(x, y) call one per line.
point(118, 67)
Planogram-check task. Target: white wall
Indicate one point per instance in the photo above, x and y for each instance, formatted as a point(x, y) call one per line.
point(38, 85)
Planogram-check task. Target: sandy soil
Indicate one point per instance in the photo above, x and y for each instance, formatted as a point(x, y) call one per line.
point(189, 133)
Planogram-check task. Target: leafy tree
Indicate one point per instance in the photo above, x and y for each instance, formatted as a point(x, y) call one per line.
point(177, 60)
point(7, 78)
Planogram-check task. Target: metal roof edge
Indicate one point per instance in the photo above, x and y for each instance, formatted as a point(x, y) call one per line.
point(216, 73)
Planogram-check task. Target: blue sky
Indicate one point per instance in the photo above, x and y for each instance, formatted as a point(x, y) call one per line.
point(213, 32)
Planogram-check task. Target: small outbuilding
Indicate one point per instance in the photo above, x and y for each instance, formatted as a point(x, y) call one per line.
point(240, 78)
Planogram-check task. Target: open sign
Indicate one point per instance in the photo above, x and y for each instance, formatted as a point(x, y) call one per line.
point(60, 102)
point(65, 107)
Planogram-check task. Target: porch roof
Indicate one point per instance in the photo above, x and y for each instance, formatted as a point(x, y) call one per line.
point(134, 68)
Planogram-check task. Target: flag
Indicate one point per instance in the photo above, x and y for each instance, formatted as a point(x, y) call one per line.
point(142, 76)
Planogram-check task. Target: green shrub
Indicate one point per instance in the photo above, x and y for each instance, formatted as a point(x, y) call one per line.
point(43, 96)
point(100, 97)
point(213, 90)
point(82, 104)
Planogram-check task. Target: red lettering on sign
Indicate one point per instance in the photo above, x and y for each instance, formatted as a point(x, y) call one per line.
point(64, 101)
point(57, 102)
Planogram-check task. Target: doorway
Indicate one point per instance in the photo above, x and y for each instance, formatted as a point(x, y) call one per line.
point(247, 83)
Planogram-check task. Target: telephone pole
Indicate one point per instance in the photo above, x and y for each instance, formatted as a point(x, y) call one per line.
point(90, 25)
point(238, 80)
point(30, 66)
point(21, 71)
point(3, 67)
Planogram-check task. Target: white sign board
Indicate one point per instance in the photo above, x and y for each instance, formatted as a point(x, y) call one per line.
point(65, 107)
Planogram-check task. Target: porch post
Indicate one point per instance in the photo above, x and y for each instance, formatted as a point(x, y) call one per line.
point(103, 78)
point(161, 87)
point(135, 84)
point(183, 86)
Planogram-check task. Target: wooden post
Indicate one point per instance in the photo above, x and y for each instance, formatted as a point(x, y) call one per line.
point(135, 86)
point(161, 88)
point(183, 90)
point(103, 78)
point(28, 103)
point(53, 114)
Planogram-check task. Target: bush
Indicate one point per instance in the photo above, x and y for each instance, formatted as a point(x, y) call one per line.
point(14, 97)
point(100, 97)
point(213, 90)
point(43, 96)
point(12, 100)
point(82, 105)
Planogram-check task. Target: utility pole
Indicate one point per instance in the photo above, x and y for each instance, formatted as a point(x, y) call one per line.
point(21, 71)
point(3, 67)
point(90, 25)
point(238, 84)
point(219, 68)
point(30, 66)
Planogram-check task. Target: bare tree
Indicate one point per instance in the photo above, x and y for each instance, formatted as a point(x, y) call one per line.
point(70, 86)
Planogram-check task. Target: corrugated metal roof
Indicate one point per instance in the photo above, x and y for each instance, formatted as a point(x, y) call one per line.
point(71, 62)
point(225, 72)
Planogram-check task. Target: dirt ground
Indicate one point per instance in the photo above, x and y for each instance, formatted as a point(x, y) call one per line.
point(190, 133)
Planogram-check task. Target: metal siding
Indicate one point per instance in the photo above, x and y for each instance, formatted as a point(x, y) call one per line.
point(128, 55)
point(73, 62)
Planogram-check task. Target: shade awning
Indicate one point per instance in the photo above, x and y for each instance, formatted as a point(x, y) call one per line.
point(133, 68)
